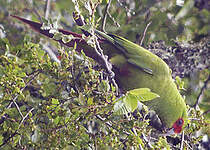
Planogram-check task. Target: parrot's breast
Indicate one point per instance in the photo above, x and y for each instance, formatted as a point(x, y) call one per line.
point(170, 106)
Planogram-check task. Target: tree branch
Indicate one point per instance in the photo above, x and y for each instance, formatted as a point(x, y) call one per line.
point(201, 93)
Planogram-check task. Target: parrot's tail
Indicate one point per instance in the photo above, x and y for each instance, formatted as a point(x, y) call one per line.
point(81, 43)
point(37, 27)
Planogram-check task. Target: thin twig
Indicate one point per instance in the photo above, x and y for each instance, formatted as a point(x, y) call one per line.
point(37, 13)
point(112, 18)
point(109, 124)
point(188, 145)
point(47, 8)
point(201, 93)
point(11, 136)
point(15, 98)
point(134, 132)
point(37, 72)
point(18, 108)
point(16, 131)
point(108, 65)
point(25, 117)
point(105, 16)
point(145, 30)
point(146, 140)
point(206, 112)
point(182, 142)
point(98, 51)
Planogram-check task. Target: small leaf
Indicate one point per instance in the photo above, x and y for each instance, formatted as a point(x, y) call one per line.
point(119, 106)
point(56, 120)
point(67, 38)
point(55, 101)
point(90, 101)
point(107, 1)
point(22, 74)
point(131, 102)
point(180, 83)
point(1, 139)
point(126, 104)
point(139, 140)
point(143, 94)
point(53, 31)
point(57, 36)
point(46, 26)
point(104, 86)
point(139, 91)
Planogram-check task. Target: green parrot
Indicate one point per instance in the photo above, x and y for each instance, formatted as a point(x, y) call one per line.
point(134, 67)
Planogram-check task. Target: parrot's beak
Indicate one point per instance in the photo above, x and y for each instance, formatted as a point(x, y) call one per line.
point(169, 132)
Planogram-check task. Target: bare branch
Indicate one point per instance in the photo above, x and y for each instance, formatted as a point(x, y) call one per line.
point(201, 93)
point(25, 117)
point(135, 133)
point(145, 30)
point(105, 16)
point(112, 18)
point(107, 64)
point(206, 112)
point(182, 142)
point(16, 131)
point(14, 100)
point(47, 8)
point(18, 108)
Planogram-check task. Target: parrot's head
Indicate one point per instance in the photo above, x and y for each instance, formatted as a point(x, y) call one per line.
point(177, 126)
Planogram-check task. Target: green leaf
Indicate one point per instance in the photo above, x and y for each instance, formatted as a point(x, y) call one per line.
point(185, 9)
point(126, 104)
point(55, 101)
point(139, 91)
point(90, 101)
point(57, 36)
point(139, 140)
point(143, 94)
point(104, 86)
point(67, 38)
point(131, 102)
point(22, 74)
point(1, 139)
point(56, 120)
point(119, 106)
point(179, 83)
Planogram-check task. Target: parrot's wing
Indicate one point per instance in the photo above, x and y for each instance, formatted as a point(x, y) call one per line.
point(124, 46)
point(133, 59)
point(141, 65)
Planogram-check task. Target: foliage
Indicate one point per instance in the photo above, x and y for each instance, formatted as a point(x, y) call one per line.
point(68, 102)
point(129, 102)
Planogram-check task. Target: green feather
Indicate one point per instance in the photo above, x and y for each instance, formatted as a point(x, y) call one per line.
point(146, 70)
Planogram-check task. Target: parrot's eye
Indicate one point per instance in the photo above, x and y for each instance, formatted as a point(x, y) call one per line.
point(180, 122)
